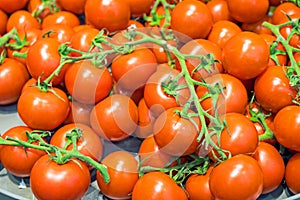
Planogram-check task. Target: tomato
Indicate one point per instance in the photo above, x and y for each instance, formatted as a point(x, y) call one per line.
point(88, 83)
point(285, 8)
point(292, 173)
point(158, 89)
point(202, 47)
point(257, 26)
point(157, 186)
point(114, 118)
point(21, 20)
point(271, 164)
point(233, 98)
point(286, 31)
point(79, 113)
point(197, 186)
point(89, 144)
point(123, 171)
point(248, 10)
point(10, 6)
point(63, 17)
point(141, 64)
point(43, 58)
point(76, 7)
point(59, 32)
point(287, 126)
point(145, 122)
point(245, 55)
point(139, 7)
point(3, 22)
point(219, 10)
point(174, 134)
point(185, 19)
point(43, 110)
point(272, 89)
point(13, 76)
point(222, 31)
point(160, 53)
point(16, 159)
point(239, 177)
point(34, 6)
point(50, 180)
point(112, 15)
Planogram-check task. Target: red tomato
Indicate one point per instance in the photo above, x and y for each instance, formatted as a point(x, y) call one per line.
point(3, 22)
point(292, 173)
point(286, 31)
point(89, 144)
point(112, 15)
point(123, 171)
point(13, 76)
point(76, 7)
point(114, 118)
point(63, 17)
point(43, 110)
point(157, 186)
point(16, 159)
point(139, 7)
point(10, 6)
point(140, 64)
point(88, 83)
point(59, 32)
point(287, 127)
point(239, 177)
point(79, 113)
point(248, 10)
point(21, 20)
point(174, 134)
point(219, 10)
point(60, 181)
point(271, 164)
point(245, 55)
point(222, 31)
point(145, 122)
point(285, 8)
point(35, 6)
point(272, 89)
point(257, 26)
point(185, 19)
point(197, 186)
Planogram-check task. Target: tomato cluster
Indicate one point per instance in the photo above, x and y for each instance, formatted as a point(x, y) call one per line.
point(210, 89)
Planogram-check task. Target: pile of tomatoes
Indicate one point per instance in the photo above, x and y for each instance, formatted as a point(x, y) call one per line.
point(209, 89)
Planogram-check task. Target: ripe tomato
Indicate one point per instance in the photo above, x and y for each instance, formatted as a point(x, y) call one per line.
point(79, 113)
point(76, 7)
point(285, 8)
point(123, 171)
point(59, 181)
point(139, 7)
point(59, 32)
point(257, 26)
point(160, 91)
point(140, 64)
point(174, 134)
point(10, 6)
point(63, 17)
point(286, 31)
point(158, 186)
point(145, 122)
point(43, 110)
point(197, 186)
point(88, 83)
point(219, 10)
point(21, 20)
point(3, 22)
point(88, 144)
point(271, 164)
point(16, 159)
point(292, 174)
point(112, 15)
point(248, 10)
point(272, 89)
point(287, 127)
point(185, 19)
point(13, 76)
point(240, 173)
point(222, 31)
point(245, 55)
point(37, 6)
point(114, 118)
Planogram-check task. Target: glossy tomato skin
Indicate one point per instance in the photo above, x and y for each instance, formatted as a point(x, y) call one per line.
point(114, 118)
point(13, 76)
point(21, 20)
point(241, 174)
point(59, 32)
point(248, 10)
point(63, 17)
point(219, 10)
point(3, 22)
point(88, 83)
point(284, 8)
point(292, 173)
point(76, 7)
point(17, 160)
point(272, 89)
point(185, 19)
point(89, 144)
point(49, 180)
point(112, 15)
point(174, 134)
point(271, 164)
point(287, 127)
point(79, 113)
point(43, 110)
point(157, 186)
point(145, 122)
point(245, 55)
point(123, 171)
point(10, 6)
point(139, 7)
